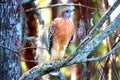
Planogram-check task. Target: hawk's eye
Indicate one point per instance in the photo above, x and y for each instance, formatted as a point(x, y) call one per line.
point(67, 11)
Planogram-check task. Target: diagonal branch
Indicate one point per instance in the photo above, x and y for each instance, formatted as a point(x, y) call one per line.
point(100, 23)
point(104, 56)
point(88, 48)
point(93, 31)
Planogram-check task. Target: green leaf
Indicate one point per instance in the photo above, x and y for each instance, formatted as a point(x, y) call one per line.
point(94, 0)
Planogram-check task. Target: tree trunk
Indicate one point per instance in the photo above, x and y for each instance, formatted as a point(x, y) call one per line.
point(10, 39)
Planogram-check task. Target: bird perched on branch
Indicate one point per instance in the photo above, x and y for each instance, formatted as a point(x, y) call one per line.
point(60, 34)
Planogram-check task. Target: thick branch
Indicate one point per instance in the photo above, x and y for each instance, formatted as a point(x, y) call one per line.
point(94, 30)
point(88, 48)
point(100, 23)
point(43, 69)
point(90, 35)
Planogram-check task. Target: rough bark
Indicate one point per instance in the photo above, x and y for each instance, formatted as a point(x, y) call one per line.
point(10, 37)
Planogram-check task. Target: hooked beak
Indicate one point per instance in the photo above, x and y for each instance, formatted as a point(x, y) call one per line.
point(73, 10)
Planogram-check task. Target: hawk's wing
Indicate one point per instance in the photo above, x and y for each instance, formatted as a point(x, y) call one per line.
point(50, 37)
point(70, 41)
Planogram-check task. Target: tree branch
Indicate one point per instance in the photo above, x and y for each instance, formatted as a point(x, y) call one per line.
point(100, 23)
point(82, 52)
point(8, 49)
point(38, 13)
point(26, 1)
point(34, 61)
point(56, 5)
point(88, 48)
point(32, 47)
point(23, 49)
point(101, 57)
point(41, 69)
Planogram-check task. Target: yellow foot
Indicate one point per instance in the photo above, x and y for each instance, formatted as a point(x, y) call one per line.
point(65, 55)
point(57, 58)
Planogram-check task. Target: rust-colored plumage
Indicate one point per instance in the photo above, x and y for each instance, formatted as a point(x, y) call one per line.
point(60, 34)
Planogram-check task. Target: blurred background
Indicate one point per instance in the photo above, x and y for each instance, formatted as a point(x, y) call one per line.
point(85, 18)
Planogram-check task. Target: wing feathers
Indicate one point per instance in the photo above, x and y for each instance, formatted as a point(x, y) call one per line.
point(50, 37)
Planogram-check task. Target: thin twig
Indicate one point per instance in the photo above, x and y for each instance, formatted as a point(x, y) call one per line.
point(8, 49)
point(104, 56)
point(30, 38)
point(33, 47)
point(30, 61)
point(56, 5)
point(26, 1)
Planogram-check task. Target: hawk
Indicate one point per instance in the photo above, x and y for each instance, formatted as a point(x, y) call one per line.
point(60, 34)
